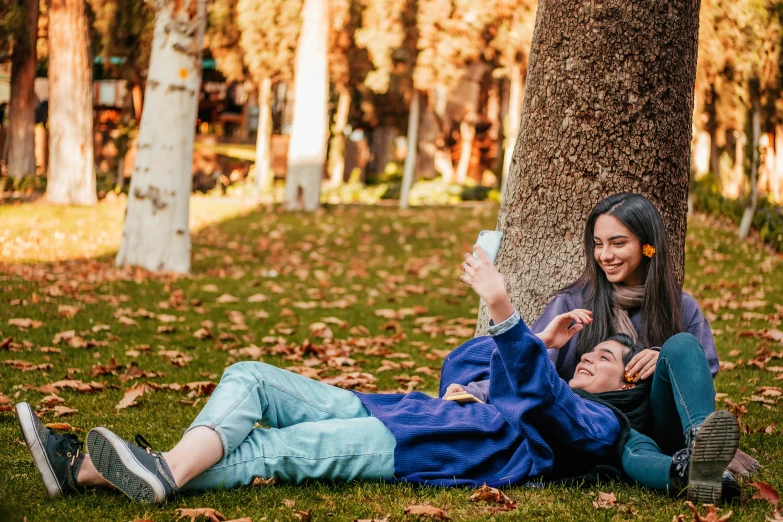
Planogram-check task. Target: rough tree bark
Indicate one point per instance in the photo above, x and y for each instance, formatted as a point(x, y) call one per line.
point(413, 146)
point(750, 207)
point(337, 146)
point(156, 234)
point(71, 161)
point(608, 106)
point(263, 173)
point(307, 149)
point(512, 120)
point(21, 110)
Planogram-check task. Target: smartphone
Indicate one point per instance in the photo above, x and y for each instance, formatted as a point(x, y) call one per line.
point(489, 241)
point(463, 398)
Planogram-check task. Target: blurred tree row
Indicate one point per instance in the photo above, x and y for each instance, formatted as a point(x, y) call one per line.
point(449, 75)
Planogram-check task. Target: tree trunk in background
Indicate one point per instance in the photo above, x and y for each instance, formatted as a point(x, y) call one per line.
point(750, 208)
point(307, 150)
point(337, 147)
point(776, 176)
point(264, 176)
point(136, 96)
point(700, 155)
point(732, 186)
point(381, 148)
point(413, 145)
point(71, 160)
point(712, 129)
point(428, 140)
point(495, 130)
point(156, 234)
point(467, 132)
point(603, 114)
point(513, 119)
point(21, 106)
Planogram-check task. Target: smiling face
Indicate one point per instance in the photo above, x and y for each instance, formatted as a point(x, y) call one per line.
point(602, 369)
point(618, 251)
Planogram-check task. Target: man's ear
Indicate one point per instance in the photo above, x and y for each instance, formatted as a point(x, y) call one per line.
point(628, 386)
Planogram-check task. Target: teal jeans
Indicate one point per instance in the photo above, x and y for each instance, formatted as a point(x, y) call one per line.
point(681, 397)
point(311, 431)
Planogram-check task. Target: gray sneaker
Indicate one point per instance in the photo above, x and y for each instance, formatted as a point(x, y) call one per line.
point(57, 457)
point(140, 473)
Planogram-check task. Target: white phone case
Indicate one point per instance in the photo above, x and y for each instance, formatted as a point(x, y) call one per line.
point(489, 241)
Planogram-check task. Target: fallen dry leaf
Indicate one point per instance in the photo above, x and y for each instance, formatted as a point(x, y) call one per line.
point(202, 333)
point(68, 310)
point(765, 492)
point(194, 514)
point(710, 516)
point(426, 510)
point(304, 516)
point(258, 481)
point(384, 519)
point(226, 298)
point(605, 500)
point(25, 323)
point(61, 426)
point(488, 494)
point(26, 366)
point(131, 394)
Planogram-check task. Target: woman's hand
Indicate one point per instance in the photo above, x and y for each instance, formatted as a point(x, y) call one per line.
point(488, 283)
point(642, 365)
point(453, 389)
point(559, 331)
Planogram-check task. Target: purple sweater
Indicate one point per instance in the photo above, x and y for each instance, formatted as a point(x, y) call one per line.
point(566, 359)
point(533, 415)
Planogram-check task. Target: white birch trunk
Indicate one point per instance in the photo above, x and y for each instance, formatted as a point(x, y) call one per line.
point(21, 106)
point(776, 176)
point(71, 161)
point(156, 235)
point(467, 132)
point(264, 174)
point(337, 148)
point(513, 119)
point(750, 209)
point(307, 149)
point(413, 145)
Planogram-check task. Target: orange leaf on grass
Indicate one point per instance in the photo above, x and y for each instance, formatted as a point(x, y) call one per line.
point(427, 510)
point(765, 492)
point(23, 323)
point(210, 514)
point(710, 516)
point(131, 394)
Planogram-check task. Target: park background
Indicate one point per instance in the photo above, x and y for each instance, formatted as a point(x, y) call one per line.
point(186, 184)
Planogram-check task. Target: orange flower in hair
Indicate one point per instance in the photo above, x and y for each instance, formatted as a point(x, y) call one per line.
point(648, 250)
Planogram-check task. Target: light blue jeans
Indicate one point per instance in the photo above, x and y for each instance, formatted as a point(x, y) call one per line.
point(315, 431)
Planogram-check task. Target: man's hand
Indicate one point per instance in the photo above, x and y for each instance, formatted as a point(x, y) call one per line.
point(453, 389)
point(488, 283)
point(559, 331)
point(642, 365)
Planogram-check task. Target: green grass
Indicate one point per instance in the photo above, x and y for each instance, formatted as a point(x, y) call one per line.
point(366, 258)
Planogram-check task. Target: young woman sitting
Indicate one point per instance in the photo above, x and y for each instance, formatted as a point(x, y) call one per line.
point(318, 431)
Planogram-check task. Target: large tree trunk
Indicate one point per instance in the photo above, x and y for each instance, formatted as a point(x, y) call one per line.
point(467, 133)
point(513, 119)
point(750, 208)
point(413, 145)
point(264, 174)
point(603, 114)
point(71, 161)
point(21, 152)
point(429, 132)
point(156, 234)
point(381, 145)
point(307, 150)
point(337, 146)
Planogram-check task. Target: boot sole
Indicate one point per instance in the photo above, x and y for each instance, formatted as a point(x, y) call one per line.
point(26, 417)
point(713, 450)
point(115, 462)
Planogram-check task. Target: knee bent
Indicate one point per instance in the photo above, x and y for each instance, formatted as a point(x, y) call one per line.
point(680, 344)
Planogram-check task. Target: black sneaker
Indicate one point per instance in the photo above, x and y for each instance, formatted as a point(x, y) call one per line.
point(700, 466)
point(140, 473)
point(54, 455)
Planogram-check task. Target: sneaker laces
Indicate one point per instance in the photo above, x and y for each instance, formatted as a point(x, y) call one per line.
point(68, 444)
point(143, 443)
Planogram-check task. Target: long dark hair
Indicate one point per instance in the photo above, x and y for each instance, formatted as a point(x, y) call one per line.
point(662, 304)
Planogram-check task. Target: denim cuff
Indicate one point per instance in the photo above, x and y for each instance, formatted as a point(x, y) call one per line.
point(505, 326)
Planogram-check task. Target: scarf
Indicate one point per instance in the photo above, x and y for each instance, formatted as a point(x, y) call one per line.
point(623, 298)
